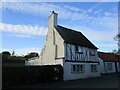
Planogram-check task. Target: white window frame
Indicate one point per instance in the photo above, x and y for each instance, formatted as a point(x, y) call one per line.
point(93, 68)
point(92, 53)
point(78, 68)
point(80, 49)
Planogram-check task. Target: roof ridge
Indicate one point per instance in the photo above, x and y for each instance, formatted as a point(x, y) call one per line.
point(106, 52)
point(74, 37)
point(69, 29)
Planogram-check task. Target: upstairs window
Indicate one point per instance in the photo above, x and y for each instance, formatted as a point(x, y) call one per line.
point(78, 49)
point(92, 53)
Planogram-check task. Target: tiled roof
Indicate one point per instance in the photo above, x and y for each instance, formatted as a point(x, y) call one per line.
point(74, 37)
point(108, 57)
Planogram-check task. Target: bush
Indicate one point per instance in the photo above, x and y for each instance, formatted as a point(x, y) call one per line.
point(21, 75)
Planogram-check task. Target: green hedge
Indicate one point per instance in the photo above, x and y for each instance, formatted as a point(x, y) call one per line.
point(22, 75)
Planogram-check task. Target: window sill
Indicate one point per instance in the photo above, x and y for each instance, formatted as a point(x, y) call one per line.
point(94, 71)
point(79, 52)
point(92, 54)
point(77, 72)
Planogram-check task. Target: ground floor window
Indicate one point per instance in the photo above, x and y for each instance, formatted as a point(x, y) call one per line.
point(109, 66)
point(119, 65)
point(93, 68)
point(76, 68)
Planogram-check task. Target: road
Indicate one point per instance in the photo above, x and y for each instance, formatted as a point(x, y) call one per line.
point(109, 81)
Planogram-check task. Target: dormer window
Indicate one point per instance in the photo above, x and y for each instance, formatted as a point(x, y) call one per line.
point(92, 53)
point(78, 49)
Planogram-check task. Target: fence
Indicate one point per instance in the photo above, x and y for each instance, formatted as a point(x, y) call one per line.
point(22, 75)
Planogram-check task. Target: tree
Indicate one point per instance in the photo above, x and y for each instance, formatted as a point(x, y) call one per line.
point(13, 53)
point(6, 55)
point(31, 55)
point(117, 38)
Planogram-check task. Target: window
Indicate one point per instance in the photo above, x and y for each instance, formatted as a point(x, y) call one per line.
point(92, 53)
point(93, 68)
point(56, 51)
point(109, 66)
point(80, 49)
point(76, 48)
point(53, 37)
point(76, 68)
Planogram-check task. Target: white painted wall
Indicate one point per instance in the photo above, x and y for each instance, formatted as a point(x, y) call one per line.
point(118, 66)
point(48, 52)
point(53, 40)
point(71, 76)
point(104, 66)
point(113, 67)
point(68, 75)
point(33, 62)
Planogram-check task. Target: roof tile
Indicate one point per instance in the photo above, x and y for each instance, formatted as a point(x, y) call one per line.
point(74, 37)
point(108, 57)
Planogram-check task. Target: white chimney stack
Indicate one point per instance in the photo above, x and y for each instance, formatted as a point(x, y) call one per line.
point(53, 19)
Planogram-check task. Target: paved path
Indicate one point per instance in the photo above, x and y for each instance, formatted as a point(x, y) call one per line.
point(99, 82)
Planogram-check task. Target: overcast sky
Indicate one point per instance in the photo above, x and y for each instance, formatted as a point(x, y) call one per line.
point(24, 25)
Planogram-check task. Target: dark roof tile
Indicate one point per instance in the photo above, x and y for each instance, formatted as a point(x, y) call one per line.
point(74, 37)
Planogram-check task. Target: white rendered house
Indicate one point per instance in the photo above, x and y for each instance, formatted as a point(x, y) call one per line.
point(69, 48)
point(109, 62)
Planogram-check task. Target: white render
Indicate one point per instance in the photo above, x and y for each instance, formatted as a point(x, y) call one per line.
point(68, 75)
point(55, 50)
point(118, 66)
point(33, 61)
point(105, 68)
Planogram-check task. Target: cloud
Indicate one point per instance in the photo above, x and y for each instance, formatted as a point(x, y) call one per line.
point(23, 51)
point(36, 9)
point(73, 8)
point(45, 9)
point(60, 1)
point(98, 11)
point(23, 29)
point(91, 9)
point(98, 35)
point(107, 13)
point(107, 45)
point(22, 35)
point(97, 26)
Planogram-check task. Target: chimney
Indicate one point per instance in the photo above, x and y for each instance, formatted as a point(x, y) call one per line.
point(53, 19)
